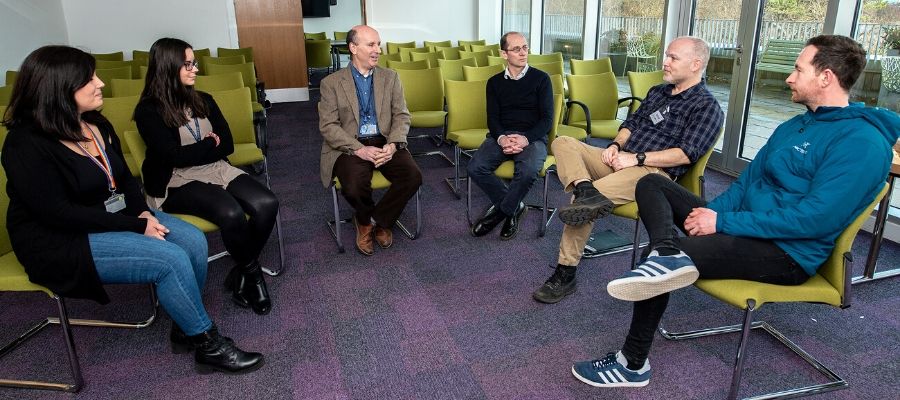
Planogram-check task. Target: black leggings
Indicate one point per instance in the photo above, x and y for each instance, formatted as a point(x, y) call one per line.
point(244, 236)
point(663, 206)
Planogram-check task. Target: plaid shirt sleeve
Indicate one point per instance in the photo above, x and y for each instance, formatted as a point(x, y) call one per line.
point(703, 129)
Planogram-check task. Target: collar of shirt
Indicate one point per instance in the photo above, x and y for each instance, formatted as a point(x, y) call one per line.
point(507, 75)
point(687, 92)
point(357, 74)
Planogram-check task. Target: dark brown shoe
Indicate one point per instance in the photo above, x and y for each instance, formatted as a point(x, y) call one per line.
point(364, 241)
point(384, 236)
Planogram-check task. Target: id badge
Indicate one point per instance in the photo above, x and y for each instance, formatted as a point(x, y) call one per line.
point(115, 203)
point(368, 130)
point(657, 115)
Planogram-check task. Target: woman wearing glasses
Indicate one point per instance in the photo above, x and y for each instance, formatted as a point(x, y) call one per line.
point(76, 217)
point(186, 170)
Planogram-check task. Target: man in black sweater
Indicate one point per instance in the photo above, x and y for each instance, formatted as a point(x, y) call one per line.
point(520, 115)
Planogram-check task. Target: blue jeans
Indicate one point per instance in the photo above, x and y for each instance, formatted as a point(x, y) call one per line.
point(177, 266)
point(528, 164)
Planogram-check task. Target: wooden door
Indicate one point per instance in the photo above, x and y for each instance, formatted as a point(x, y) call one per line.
point(274, 29)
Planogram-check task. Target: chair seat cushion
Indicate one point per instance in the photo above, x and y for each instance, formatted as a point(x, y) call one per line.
point(133, 166)
point(507, 168)
point(736, 292)
point(200, 223)
point(468, 139)
point(571, 131)
point(427, 119)
point(378, 181)
point(627, 210)
point(601, 128)
point(14, 279)
point(245, 154)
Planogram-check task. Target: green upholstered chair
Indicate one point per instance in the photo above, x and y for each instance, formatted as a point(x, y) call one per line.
point(139, 58)
point(406, 51)
point(142, 72)
point(468, 43)
point(563, 129)
point(423, 90)
point(481, 73)
point(11, 76)
point(449, 52)
point(3, 130)
point(493, 48)
point(341, 36)
point(432, 46)
point(394, 47)
point(590, 67)
point(126, 87)
point(13, 278)
point(198, 55)
point(481, 57)
point(466, 122)
point(104, 64)
point(318, 55)
point(507, 169)
point(119, 112)
point(640, 83)
point(453, 69)
point(5, 94)
point(229, 60)
point(248, 73)
point(117, 56)
point(247, 52)
point(544, 58)
point(551, 68)
point(315, 36)
point(598, 99)
point(107, 75)
point(497, 60)
point(220, 82)
point(431, 57)
point(398, 65)
point(384, 58)
point(831, 286)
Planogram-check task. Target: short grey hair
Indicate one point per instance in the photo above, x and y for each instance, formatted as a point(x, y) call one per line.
point(701, 49)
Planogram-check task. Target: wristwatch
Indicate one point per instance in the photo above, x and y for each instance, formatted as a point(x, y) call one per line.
point(640, 158)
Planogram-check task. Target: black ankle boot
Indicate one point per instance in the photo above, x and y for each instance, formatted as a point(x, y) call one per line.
point(249, 287)
point(180, 342)
point(214, 352)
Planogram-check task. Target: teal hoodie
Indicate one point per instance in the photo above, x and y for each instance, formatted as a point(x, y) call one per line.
point(812, 178)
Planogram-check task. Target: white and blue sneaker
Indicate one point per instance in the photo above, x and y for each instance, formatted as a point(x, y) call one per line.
point(654, 276)
point(611, 371)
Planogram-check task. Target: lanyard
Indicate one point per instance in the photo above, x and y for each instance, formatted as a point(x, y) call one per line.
point(105, 165)
point(366, 109)
point(196, 134)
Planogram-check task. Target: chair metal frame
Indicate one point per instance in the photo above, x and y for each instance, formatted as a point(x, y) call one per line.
point(334, 225)
point(547, 212)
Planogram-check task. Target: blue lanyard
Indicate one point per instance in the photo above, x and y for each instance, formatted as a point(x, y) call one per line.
point(105, 166)
point(366, 109)
point(196, 134)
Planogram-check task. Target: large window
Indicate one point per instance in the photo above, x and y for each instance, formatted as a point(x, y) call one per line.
point(517, 16)
point(563, 29)
point(629, 33)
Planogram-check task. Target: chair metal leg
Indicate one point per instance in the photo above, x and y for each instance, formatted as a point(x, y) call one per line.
point(454, 182)
point(334, 226)
point(278, 235)
point(415, 234)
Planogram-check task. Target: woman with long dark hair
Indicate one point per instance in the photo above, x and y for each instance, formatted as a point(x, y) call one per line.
point(77, 219)
point(186, 170)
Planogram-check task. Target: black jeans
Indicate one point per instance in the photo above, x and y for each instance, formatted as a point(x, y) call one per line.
point(244, 237)
point(663, 206)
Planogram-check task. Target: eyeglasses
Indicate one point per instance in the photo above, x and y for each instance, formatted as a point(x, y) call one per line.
point(189, 65)
point(517, 49)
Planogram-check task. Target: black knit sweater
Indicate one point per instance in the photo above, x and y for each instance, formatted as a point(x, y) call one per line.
point(524, 105)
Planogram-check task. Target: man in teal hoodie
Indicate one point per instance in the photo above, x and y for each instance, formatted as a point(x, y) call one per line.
point(777, 222)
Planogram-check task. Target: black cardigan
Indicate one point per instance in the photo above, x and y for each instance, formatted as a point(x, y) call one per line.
point(49, 221)
point(164, 149)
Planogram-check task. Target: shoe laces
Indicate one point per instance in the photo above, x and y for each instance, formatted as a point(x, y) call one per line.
point(605, 362)
point(556, 279)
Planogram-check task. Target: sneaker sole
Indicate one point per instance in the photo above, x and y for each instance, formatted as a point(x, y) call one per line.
point(643, 288)
point(618, 384)
point(582, 214)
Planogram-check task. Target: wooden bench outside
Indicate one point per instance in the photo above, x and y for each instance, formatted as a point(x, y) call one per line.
point(780, 56)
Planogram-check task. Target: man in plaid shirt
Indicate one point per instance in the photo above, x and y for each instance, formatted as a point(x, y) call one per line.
point(675, 125)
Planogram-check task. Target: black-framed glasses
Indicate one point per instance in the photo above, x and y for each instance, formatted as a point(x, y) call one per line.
point(517, 49)
point(189, 65)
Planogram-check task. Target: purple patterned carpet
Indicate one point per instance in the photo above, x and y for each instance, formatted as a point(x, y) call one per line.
point(446, 316)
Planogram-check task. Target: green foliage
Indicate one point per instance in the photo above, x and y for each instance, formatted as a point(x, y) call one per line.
point(891, 37)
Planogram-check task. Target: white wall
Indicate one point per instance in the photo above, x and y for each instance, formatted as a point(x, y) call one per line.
point(103, 26)
point(26, 25)
point(345, 15)
point(405, 20)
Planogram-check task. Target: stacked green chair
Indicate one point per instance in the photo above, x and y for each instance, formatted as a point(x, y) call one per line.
point(107, 75)
point(315, 36)
point(5, 94)
point(423, 90)
point(142, 72)
point(432, 46)
point(466, 121)
point(831, 286)
point(248, 73)
point(3, 130)
point(507, 170)
point(493, 48)
point(563, 129)
point(11, 76)
point(449, 53)
point(198, 55)
point(544, 58)
point(341, 37)
point(117, 56)
point(640, 83)
point(481, 73)
point(453, 69)
point(318, 55)
point(591, 67)
point(468, 43)
point(220, 82)
point(389, 57)
point(229, 60)
point(598, 99)
point(398, 65)
point(102, 64)
point(405, 52)
point(119, 112)
point(497, 60)
point(139, 58)
point(551, 68)
point(126, 87)
point(247, 52)
point(431, 57)
point(481, 57)
point(394, 47)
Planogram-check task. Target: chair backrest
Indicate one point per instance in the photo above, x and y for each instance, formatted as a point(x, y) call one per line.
point(493, 48)
point(405, 52)
point(141, 56)
point(544, 58)
point(318, 53)
point(315, 35)
point(481, 57)
point(138, 148)
point(433, 45)
point(5, 244)
point(496, 60)
point(397, 65)
point(5, 94)
point(557, 118)
point(692, 180)
point(431, 57)
point(229, 60)
point(556, 80)
point(389, 57)
point(340, 35)
point(394, 47)
point(247, 52)
point(220, 82)
point(142, 72)
point(247, 70)
point(11, 76)
point(423, 89)
point(449, 52)
point(104, 64)
point(3, 133)
point(238, 112)
point(117, 56)
point(466, 105)
point(453, 69)
point(468, 43)
point(481, 73)
point(107, 75)
point(640, 83)
point(126, 87)
point(551, 68)
point(591, 67)
point(119, 111)
point(599, 92)
point(198, 55)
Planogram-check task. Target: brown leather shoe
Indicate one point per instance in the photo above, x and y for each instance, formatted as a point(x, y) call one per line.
point(384, 236)
point(364, 238)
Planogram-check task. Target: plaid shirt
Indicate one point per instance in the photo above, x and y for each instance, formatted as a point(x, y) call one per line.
point(692, 121)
